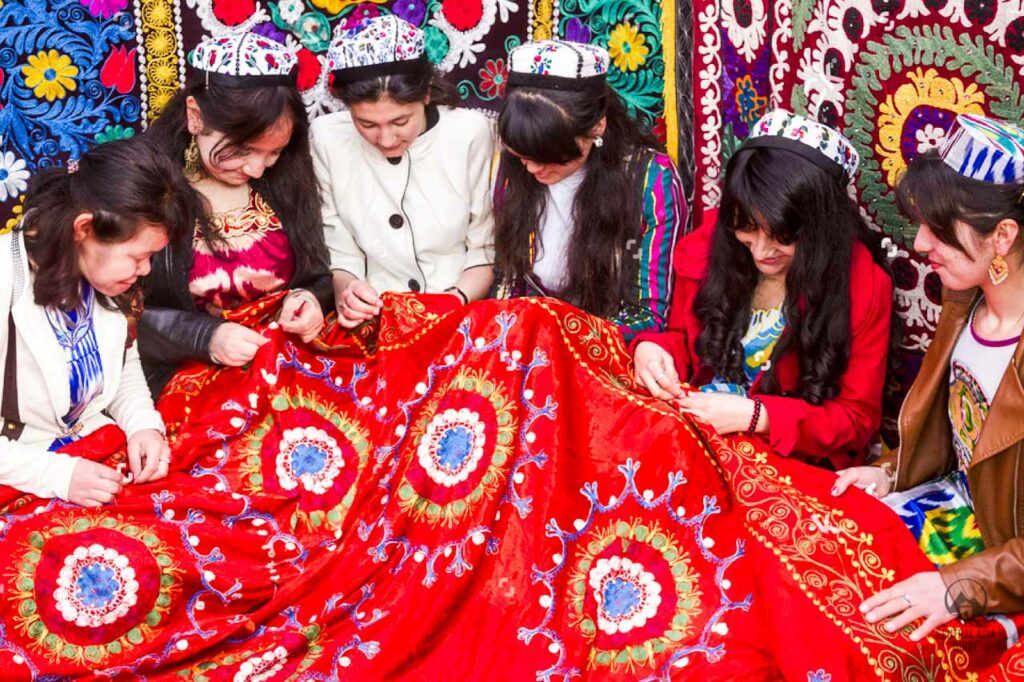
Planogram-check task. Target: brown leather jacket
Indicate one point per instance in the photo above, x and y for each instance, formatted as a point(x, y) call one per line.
point(996, 474)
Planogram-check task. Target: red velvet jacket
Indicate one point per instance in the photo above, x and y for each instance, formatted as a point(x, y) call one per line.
point(840, 429)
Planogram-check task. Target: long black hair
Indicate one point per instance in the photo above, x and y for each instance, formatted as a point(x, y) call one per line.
point(543, 125)
point(932, 193)
point(423, 81)
point(243, 114)
point(800, 204)
point(126, 185)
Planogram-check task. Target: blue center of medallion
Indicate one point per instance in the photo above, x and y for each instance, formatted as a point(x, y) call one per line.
point(307, 459)
point(620, 597)
point(97, 585)
point(3, 174)
point(454, 447)
point(50, 74)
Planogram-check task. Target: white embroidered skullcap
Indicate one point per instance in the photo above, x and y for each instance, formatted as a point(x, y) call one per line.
point(823, 146)
point(245, 60)
point(375, 47)
point(557, 64)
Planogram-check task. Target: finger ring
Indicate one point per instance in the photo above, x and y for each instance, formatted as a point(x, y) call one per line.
point(906, 598)
point(657, 378)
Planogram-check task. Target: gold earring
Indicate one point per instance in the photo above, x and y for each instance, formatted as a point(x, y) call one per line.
point(998, 270)
point(193, 164)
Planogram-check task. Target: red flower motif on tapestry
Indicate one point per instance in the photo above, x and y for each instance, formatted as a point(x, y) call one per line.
point(463, 14)
point(660, 130)
point(493, 77)
point(119, 70)
point(309, 69)
point(233, 12)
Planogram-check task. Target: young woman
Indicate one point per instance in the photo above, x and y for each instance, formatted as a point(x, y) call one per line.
point(957, 476)
point(405, 176)
point(240, 130)
point(68, 288)
point(782, 306)
point(587, 209)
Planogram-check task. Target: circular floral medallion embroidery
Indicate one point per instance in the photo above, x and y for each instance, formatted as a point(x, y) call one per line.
point(309, 458)
point(633, 590)
point(90, 588)
point(463, 444)
point(96, 586)
point(914, 119)
point(304, 448)
point(452, 446)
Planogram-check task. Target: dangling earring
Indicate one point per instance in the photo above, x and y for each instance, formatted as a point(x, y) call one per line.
point(998, 270)
point(598, 141)
point(193, 164)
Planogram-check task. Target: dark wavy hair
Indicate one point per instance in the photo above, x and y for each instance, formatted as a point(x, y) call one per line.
point(125, 185)
point(543, 125)
point(405, 88)
point(241, 115)
point(800, 204)
point(932, 193)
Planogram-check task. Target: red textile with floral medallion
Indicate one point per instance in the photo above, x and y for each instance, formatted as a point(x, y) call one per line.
point(464, 493)
point(249, 258)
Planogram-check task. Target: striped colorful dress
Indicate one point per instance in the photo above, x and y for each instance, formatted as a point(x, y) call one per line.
point(663, 214)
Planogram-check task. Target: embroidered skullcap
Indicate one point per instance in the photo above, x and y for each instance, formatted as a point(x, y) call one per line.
point(245, 60)
point(375, 47)
point(823, 146)
point(557, 64)
point(985, 149)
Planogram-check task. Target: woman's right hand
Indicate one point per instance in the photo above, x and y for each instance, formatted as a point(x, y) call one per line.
point(93, 484)
point(874, 481)
point(656, 370)
point(233, 345)
point(357, 303)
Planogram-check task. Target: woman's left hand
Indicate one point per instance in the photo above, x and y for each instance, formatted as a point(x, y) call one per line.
point(922, 595)
point(725, 412)
point(301, 315)
point(149, 456)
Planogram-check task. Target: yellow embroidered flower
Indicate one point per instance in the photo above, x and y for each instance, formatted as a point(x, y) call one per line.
point(908, 119)
point(50, 74)
point(16, 212)
point(627, 48)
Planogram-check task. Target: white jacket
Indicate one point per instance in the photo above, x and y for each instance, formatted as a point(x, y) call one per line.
point(434, 208)
point(44, 392)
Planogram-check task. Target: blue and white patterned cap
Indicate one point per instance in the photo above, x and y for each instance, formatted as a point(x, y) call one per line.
point(557, 64)
point(375, 47)
point(985, 149)
point(819, 144)
point(245, 60)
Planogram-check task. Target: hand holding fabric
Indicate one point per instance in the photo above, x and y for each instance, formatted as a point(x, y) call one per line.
point(656, 371)
point(922, 595)
point(234, 345)
point(93, 484)
point(725, 412)
point(149, 456)
point(301, 315)
point(357, 303)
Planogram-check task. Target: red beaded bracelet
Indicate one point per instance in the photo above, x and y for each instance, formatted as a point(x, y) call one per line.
point(754, 418)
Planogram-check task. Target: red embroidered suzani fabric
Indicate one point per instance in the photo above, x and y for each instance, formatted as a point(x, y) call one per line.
point(458, 493)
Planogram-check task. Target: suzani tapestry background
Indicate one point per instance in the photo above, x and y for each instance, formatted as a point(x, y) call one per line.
point(74, 73)
point(890, 74)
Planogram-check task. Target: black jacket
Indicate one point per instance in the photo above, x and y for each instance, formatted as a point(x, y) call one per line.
point(172, 330)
